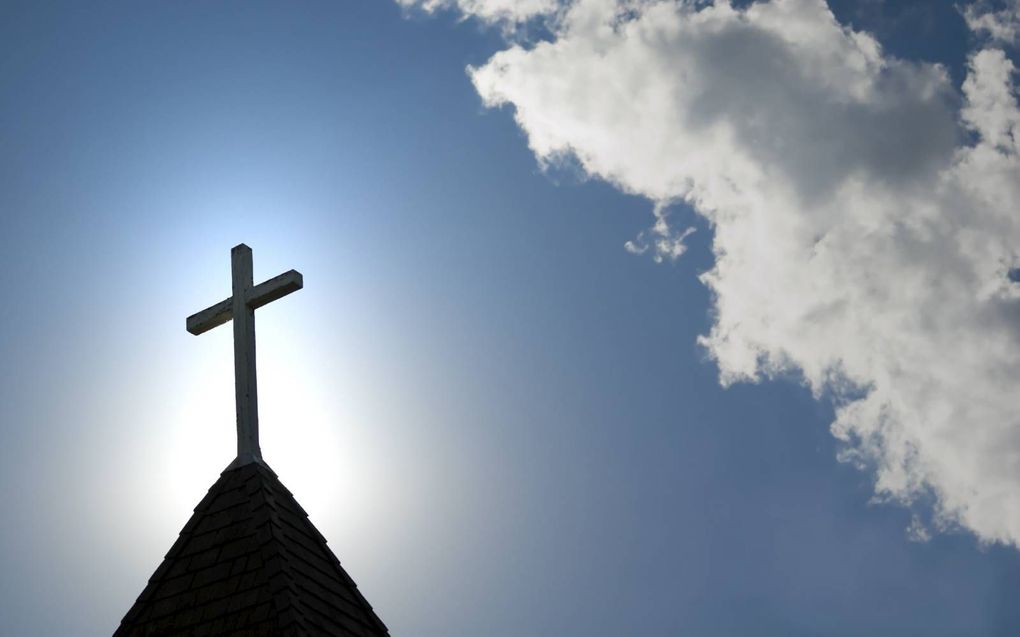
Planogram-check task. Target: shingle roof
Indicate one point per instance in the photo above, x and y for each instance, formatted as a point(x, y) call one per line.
point(249, 562)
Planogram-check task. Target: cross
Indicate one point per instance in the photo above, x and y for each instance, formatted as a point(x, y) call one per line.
point(240, 308)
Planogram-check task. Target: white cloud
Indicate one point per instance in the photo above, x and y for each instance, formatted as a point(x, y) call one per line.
point(1001, 25)
point(865, 216)
point(513, 11)
point(662, 240)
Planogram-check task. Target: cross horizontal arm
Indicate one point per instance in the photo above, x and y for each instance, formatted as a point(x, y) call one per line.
point(210, 317)
point(263, 293)
point(275, 288)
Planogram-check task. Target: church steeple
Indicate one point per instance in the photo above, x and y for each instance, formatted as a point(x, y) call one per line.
point(249, 562)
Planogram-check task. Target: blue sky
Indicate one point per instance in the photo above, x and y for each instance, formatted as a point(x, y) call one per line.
point(500, 417)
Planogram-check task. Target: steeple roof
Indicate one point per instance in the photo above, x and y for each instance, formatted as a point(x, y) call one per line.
point(249, 562)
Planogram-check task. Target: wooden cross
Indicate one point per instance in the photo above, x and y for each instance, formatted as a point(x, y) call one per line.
point(240, 308)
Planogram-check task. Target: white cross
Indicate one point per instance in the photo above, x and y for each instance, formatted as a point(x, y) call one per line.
point(240, 308)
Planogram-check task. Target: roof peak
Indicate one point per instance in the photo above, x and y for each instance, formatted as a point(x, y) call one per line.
point(250, 560)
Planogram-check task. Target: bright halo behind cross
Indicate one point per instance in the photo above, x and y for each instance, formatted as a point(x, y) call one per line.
point(305, 437)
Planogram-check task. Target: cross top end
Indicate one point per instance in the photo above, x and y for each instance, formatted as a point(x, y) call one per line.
point(240, 308)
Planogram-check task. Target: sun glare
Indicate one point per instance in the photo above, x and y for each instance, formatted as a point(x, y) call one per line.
point(305, 437)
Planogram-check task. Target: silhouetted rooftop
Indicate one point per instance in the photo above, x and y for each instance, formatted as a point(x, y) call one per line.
point(249, 562)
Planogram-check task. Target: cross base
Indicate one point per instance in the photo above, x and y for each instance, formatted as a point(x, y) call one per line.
point(246, 458)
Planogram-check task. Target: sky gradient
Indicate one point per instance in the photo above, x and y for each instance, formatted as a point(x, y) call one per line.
point(500, 417)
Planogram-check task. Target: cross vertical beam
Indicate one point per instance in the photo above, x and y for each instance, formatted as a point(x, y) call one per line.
point(245, 388)
point(240, 307)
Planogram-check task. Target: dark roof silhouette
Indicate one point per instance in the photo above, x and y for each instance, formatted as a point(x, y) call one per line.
point(249, 562)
